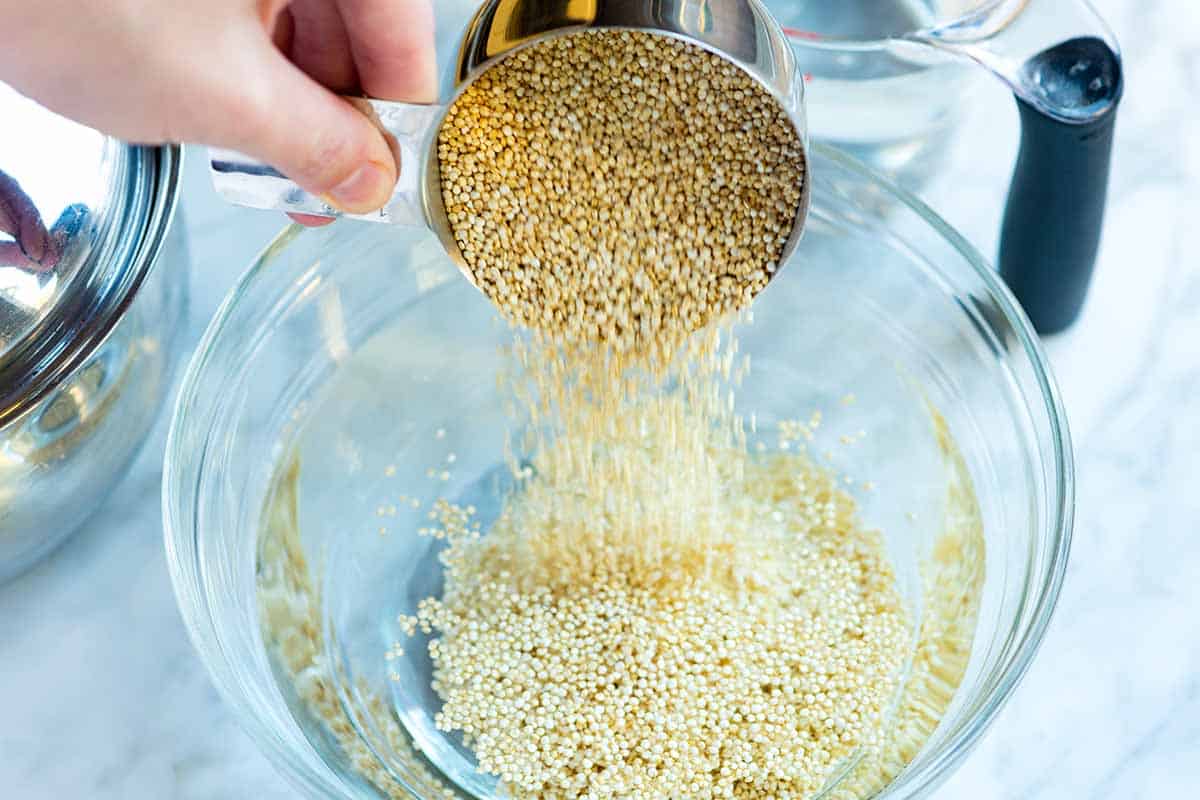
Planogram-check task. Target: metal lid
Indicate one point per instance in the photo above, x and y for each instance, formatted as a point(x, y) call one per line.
point(82, 217)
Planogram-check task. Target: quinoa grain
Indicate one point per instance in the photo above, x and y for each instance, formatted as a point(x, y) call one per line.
point(619, 186)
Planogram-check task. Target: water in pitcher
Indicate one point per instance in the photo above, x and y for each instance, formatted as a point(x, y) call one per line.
point(893, 113)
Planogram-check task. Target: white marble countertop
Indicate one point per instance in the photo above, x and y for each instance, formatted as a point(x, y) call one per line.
point(103, 697)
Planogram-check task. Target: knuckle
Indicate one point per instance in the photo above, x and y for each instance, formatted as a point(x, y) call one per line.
point(317, 150)
point(327, 157)
point(247, 113)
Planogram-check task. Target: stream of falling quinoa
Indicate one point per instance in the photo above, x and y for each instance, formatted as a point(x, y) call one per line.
point(658, 612)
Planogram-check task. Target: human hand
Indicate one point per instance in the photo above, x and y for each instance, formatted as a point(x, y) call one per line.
point(258, 76)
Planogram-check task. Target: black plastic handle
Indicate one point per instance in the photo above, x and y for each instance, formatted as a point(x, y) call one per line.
point(1055, 210)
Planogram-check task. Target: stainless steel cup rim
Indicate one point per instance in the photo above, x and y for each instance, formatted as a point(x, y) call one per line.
point(783, 82)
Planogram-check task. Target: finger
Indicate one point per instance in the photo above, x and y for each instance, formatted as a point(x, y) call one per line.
point(285, 118)
point(282, 28)
point(393, 46)
point(320, 45)
point(310, 221)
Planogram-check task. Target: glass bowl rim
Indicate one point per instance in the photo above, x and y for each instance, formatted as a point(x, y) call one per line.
point(195, 608)
point(875, 44)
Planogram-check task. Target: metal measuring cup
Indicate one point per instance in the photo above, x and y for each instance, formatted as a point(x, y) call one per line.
point(742, 32)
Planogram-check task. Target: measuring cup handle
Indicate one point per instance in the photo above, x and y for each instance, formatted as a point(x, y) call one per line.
point(1055, 211)
point(409, 129)
point(1063, 65)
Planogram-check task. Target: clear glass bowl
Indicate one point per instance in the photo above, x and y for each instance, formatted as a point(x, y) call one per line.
point(358, 352)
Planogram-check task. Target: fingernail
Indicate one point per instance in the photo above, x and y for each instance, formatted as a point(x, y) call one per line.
point(368, 188)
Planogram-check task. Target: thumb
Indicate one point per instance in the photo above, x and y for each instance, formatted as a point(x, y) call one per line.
point(315, 138)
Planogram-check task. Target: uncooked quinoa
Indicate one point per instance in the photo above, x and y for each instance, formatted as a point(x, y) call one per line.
point(619, 186)
point(952, 585)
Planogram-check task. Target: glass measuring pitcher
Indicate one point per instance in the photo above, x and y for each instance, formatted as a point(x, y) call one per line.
point(886, 80)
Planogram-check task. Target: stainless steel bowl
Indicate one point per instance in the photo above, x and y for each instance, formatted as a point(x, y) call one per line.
point(87, 317)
